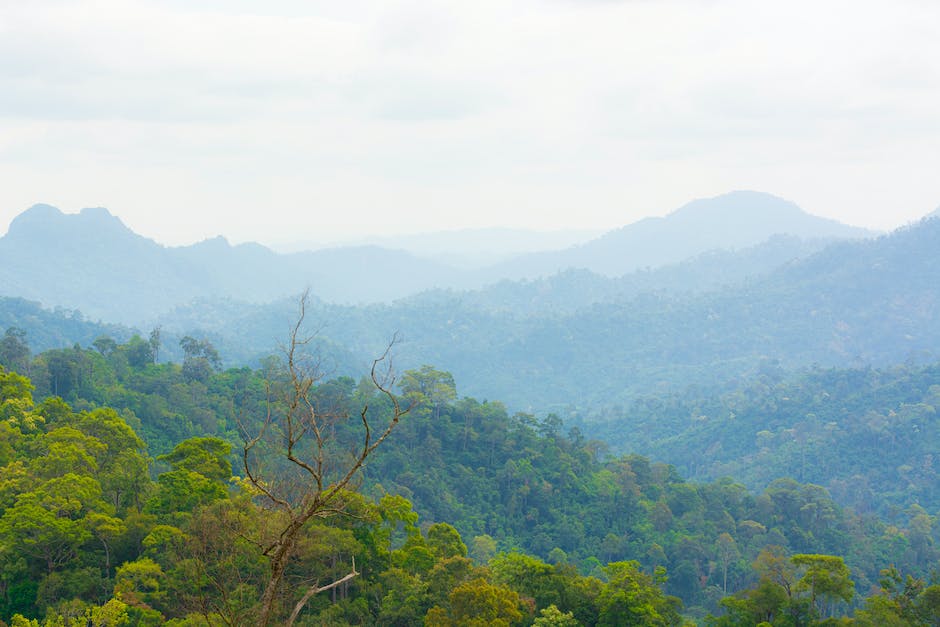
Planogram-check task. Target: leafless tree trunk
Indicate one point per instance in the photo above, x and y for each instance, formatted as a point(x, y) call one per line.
point(302, 434)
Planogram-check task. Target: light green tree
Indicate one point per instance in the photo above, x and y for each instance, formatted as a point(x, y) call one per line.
point(551, 616)
point(825, 577)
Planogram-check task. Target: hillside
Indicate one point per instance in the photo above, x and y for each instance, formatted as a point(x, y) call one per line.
point(867, 302)
point(867, 435)
point(505, 482)
point(581, 340)
point(574, 290)
point(57, 328)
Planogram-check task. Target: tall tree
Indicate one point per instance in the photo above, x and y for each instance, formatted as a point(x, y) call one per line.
point(14, 350)
point(309, 479)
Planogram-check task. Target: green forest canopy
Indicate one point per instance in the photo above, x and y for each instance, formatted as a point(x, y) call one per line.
point(86, 507)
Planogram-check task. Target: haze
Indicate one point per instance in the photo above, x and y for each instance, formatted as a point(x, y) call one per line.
point(320, 121)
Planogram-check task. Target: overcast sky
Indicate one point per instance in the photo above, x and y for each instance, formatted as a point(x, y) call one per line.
point(277, 121)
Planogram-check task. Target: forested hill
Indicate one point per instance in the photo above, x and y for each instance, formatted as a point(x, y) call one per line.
point(579, 340)
point(861, 303)
point(504, 481)
point(573, 290)
point(871, 302)
point(868, 435)
point(45, 328)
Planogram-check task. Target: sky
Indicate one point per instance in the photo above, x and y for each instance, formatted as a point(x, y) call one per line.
point(283, 121)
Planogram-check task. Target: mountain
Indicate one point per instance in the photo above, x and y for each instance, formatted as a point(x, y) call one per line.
point(580, 340)
point(88, 261)
point(867, 435)
point(244, 331)
point(572, 290)
point(854, 303)
point(46, 329)
point(92, 262)
point(731, 221)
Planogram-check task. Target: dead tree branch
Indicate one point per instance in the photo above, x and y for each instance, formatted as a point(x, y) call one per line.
point(294, 425)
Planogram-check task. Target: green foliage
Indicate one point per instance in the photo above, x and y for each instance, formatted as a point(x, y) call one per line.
point(551, 616)
point(901, 600)
point(14, 350)
point(445, 541)
point(477, 603)
point(207, 456)
point(864, 434)
point(824, 576)
point(631, 598)
point(81, 519)
point(180, 492)
point(801, 589)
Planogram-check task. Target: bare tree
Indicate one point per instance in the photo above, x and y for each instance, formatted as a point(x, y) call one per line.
point(313, 479)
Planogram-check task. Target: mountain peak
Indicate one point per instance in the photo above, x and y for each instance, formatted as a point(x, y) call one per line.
point(43, 224)
point(732, 221)
point(739, 204)
point(755, 216)
point(39, 213)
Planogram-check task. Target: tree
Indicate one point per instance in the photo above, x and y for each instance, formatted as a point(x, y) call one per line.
point(200, 471)
point(773, 565)
point(207, 456)
point(477, 603)
point(551, 616)
point(632, 598)
point(200, 359)
point(483, 548)
point(48, 524)
point(154, 341)
point(105, 345)
point(314, 477)
point(825, 576)
point(727, 551)
point(429, 385)
point(898, 602)
point(14, 350)
point(139, 352)
point(445, 541)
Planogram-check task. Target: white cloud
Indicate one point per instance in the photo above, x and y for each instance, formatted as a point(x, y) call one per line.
point(255, 120)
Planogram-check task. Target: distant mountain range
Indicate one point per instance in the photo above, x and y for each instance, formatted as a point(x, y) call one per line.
point(576, 341)
point(581, 340)
point(736, 220)
point(92, 262)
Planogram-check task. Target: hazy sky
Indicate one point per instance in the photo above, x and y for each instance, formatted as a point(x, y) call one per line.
point(277, 121)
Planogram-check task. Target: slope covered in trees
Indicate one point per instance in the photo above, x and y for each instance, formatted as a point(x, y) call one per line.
point(863, 303)
point(44, 328)
point(868, 435)
point(583, 341)
point(502, 481)
point(87, 537)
